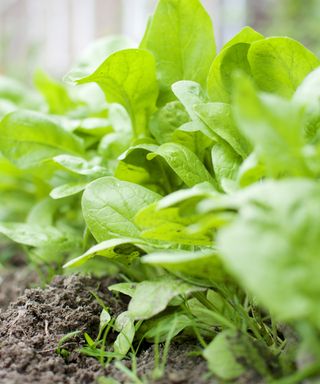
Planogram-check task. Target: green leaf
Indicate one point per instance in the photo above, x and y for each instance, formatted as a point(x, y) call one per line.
point(30, 234)
point(190, 94)
point(307, 96)
point(109, 206)
point(67, 190)
point(170, 225)
point(95, 54)
point(42, 213)
point(246, 35)
point(125, 288)
point(250, 171)
point(231, 354)
point(152, 297)
point(105, 319)
point(197, 138)
point(29, 138)
point(113, 145)
point(221, 359)
point(128, 77)
point(220, 80)
point(188, 48)
point(95, 126)
point(184, 163)
point(55, 94)
point(113, 248)
point(198, 191)
point(18, 94)
point(154, 174)
point(274, 126)
point(205, 264)
point(281, 268)
point(158, 329)
point(80, 166)
point(166, 120)
point(218, 118)
point(125, 325)
point(225, 162)
point(195, 134)
point(279, 64)
point(119, 119)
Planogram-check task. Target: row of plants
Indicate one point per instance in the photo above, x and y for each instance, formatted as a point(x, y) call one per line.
point(189, 173)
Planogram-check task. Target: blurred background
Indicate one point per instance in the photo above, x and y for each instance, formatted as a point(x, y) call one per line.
point(52, 33)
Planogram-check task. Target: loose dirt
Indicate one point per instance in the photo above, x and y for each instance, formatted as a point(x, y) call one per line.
point(32, 325)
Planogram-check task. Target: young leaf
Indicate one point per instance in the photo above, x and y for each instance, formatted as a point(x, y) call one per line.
point(188, 49)
point(55, 94)
point(19, 95)
point(154, 174)
point(307, 96)
point(170, 225)
point(281, 268)
point(80, 166)
point(190, 94)
point(124, 324)
point(113, 248)
point(274, 127)
point(152, 297)
point(109, 206)
point(279, 64)
point(128, 77)
point(67, 190)
point(30, 234)
point(226, 162)
point(159, 328)
point(246, 35)
point(199, 191)
point(184, 163)
point(125, 288)
point(166, 120)
point(221, 360)
point(229, 60)
point(28, 138)
point(205, 264)
point(95, 54)
point(231, 354)
point(218, 118)
point(95, 126)
point(250, 171)
point(105, 319)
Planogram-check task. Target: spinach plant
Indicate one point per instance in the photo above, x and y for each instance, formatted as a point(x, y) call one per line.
point(193, 174)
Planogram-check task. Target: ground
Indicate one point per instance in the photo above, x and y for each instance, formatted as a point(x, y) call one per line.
point(33, 320)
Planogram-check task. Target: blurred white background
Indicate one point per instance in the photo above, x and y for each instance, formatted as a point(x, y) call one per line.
point(52, 33)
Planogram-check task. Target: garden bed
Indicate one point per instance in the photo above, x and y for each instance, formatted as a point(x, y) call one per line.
point(192, 177)
point(34, 322)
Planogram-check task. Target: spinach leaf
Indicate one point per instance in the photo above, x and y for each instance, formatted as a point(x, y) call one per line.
point(205, 263)
point(109, 206)
point(152, 297)
point(189, 47)
point(184, 163)
point(128, 77)
point(229, 60)
point(279, 64)
point(281, 268)
point(29, 138)
point(275, 128)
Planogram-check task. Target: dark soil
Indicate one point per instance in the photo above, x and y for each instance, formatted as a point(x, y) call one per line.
point(31, 327)
point(13, 283)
